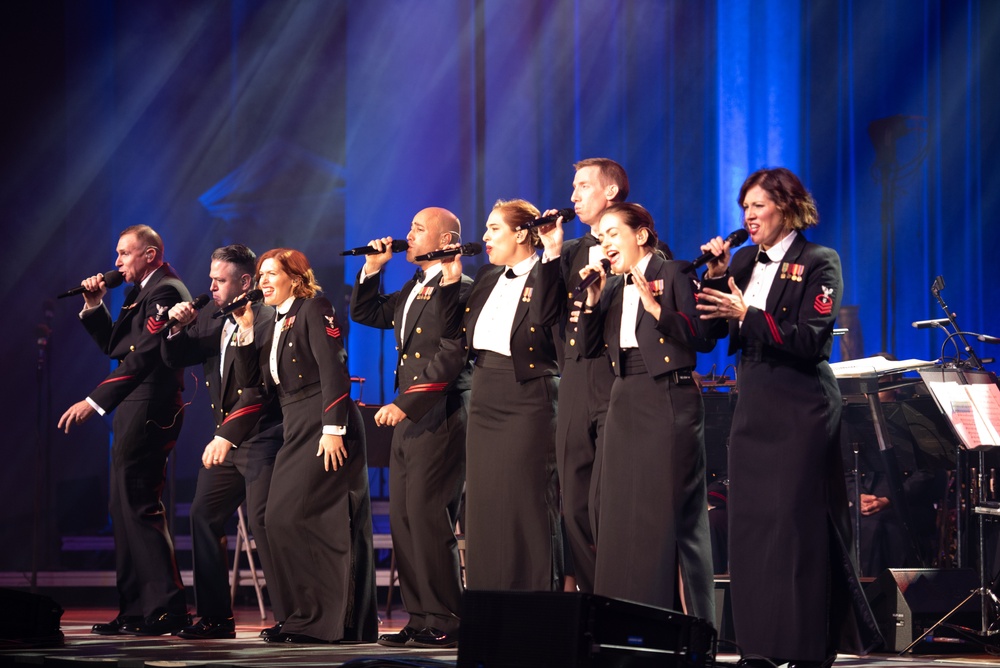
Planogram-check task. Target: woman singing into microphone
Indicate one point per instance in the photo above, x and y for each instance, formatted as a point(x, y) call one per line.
point(654, 545)
point(795, 594)
point(512, 496)
point(318, 500)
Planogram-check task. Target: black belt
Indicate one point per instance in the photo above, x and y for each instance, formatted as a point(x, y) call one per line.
point(291, 397)
point(487, 359)
point(632, 365)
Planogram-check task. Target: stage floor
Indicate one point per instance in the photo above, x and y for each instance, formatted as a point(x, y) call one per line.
point(247, 650)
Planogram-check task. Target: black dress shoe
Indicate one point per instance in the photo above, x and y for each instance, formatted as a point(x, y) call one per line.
point(113, 628)
point(271, 631)
point(210, 628)
point(433, 638)
point(158, 625)
point(397, 639)
point(757, 662)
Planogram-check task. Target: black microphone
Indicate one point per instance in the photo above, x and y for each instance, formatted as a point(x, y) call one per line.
point(249, 298)
point(471, 248)
point(567, 215)
point(397, 246)
point(737, 238)
point(198, 304)
point(927, 324)
point(112, 279)
point(986, 338)
point(591, 278)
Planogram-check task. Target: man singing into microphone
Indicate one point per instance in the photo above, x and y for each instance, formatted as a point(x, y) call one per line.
point(586, 383)
point(230, 475)
point(427, 470)
point(148, 418)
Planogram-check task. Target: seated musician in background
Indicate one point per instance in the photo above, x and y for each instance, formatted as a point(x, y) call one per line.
point(885, 542)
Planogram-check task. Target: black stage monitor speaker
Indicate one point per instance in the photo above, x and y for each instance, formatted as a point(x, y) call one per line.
point(551, 629)
point(907, 602)
point(28, 620)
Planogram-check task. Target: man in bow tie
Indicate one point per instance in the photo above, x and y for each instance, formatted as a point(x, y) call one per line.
point(230, 475)
point(586, 382)
point(147, 396)
point(427, 470)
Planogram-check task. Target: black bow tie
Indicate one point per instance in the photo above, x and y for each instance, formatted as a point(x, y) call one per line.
point(279, 316)
point(510, 273)
point(419, 275)
point(628, 279)
point(763, 258)
point(588, 240)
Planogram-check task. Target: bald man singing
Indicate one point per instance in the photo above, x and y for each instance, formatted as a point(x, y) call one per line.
point(433, 380)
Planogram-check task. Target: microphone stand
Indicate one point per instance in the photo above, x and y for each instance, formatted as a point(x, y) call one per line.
point(43, 404)
point(936, 289)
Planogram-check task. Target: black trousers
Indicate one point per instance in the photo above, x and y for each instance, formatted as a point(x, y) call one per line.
point(583, 407)
point(426, 478)
point(244, 475)
point(146, 568)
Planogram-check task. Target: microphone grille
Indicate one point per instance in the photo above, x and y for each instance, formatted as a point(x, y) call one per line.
point(472, 248)
point(567, 214)
point(255, 295)
point(113, 279)
point(738, 238)
point(399, 245)
point(200, 301)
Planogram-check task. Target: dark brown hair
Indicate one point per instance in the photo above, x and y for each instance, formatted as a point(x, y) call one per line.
point(637, 218)
point(518, 212)
point(796, 205)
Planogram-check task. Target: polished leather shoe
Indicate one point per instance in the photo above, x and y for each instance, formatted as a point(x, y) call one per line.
point(114, 627)
point(158, 624)
point(271, 631)
point(397, 639)
point(210, 628)
point(433, 638)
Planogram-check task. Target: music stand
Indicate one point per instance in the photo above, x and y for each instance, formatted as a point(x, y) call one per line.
point(987, 598)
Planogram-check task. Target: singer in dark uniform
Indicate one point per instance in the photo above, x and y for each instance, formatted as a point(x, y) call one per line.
point(654, 546)
point(318, 513)
point(795, 593)
point(513, 533)
point(586, 381)
point(230, 475)
point(433, 377)
point(147, 396)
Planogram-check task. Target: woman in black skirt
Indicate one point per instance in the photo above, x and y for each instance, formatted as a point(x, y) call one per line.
point(318, 514)
point(654, 545)
point(513, 533)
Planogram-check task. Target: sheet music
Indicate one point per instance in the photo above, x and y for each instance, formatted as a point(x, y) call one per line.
point(878, 365)
point(974, 410)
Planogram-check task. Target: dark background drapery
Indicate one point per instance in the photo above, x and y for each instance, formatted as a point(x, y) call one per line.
point(320, 124)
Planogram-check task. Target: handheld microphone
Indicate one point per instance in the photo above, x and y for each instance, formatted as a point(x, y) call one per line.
point(566, 214)
point(471, 248)
point(737, 238)
point(927, 324)
point(590, 279)
point(198, 304)
point(112, 279)
point(397, 246)
point(254, 295)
